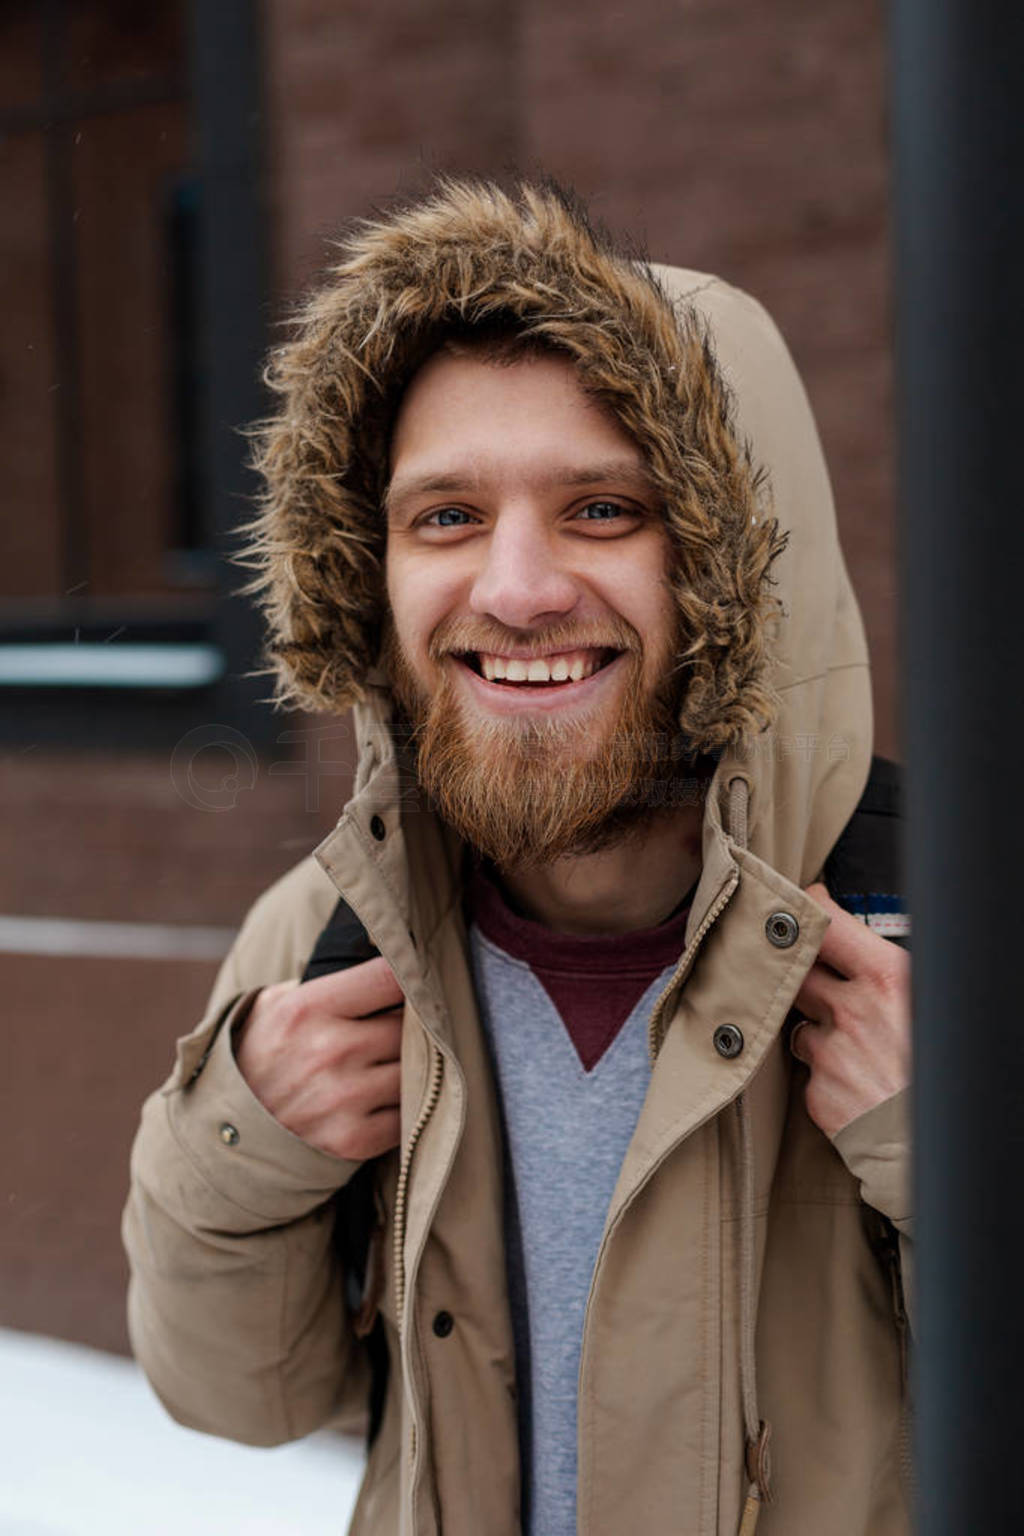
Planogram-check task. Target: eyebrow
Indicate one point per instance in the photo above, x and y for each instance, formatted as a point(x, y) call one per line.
point(613, 472)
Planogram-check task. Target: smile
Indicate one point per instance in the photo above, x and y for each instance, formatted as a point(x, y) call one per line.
point(524, 693)
point(559, 669)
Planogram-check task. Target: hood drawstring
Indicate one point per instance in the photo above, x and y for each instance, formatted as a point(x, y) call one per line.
point(758, 1433)
point(739, 799)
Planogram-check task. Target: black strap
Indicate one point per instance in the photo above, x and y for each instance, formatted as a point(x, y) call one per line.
point(864, 871)
point(343, 943)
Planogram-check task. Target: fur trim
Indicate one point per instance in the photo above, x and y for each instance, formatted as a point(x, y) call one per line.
point(469, 255)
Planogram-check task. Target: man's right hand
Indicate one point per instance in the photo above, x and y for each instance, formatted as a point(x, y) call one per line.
point(323, 1057)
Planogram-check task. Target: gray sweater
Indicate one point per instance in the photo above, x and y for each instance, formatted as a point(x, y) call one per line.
point(566, 1134)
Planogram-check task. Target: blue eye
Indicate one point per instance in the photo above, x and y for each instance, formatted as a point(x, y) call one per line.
point(601, 511)
point(448, 517)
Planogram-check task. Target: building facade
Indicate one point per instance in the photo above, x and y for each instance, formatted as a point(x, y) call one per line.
point(176, 173)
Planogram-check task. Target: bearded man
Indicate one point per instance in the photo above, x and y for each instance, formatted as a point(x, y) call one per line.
point(490, 1138)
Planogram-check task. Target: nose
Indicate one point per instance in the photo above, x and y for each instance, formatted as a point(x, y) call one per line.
point(522, 582)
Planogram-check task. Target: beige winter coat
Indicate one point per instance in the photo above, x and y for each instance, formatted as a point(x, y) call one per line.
point(736, 1282)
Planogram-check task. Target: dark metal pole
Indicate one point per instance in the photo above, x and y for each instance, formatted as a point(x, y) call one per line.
point(958, 95)
point(227, 83)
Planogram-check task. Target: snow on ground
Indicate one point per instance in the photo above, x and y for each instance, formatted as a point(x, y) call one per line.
point(88, 1451)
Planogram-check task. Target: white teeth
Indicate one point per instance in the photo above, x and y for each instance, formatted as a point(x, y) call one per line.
point(571, 667)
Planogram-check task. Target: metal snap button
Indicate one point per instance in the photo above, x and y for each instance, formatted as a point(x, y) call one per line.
point(728, 1040)
point(378, 828)
point(229, 1135)
point(782, 929)
point(443, 1324)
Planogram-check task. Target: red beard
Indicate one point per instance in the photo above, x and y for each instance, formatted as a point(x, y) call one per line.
point(527, 792)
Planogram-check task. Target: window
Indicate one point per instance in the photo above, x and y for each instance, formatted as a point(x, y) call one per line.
point(113, 539)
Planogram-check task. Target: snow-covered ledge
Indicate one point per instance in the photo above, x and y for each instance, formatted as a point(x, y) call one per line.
point(88, 1451)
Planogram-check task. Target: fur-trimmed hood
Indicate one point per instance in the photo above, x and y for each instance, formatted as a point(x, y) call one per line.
point(469, 256)
point(694, 371)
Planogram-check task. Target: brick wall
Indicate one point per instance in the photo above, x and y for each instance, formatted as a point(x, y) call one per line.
point(729, 135)
point(741, 138)
point(125, 838)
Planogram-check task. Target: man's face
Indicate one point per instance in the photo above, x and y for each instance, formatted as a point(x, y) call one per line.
point(533, 632)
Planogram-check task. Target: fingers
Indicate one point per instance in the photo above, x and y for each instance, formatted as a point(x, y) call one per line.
point(382, 1088)
point(799, 1047)
point(849, 946)
point(383, 1038)
point(820, 993)
point(360, 1042)
point(855, 1038)
point(351, 1096)
point(353, 1117)
point(355, 993)
point(374, 1136)
point(324, 1058)
point(357, 1138)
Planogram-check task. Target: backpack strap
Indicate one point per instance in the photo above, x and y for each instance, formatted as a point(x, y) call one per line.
point(864, 871)
point(344, 942)
point(864, 874)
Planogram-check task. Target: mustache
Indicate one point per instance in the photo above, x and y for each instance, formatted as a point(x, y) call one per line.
point(456, 635)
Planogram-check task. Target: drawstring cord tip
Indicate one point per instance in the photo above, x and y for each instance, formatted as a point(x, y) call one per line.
point(751, 1511)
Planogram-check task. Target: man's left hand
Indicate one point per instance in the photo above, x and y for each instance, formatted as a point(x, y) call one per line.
point(855, 1001)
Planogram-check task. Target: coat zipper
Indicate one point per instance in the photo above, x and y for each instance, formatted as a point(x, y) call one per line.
point(899, 1307)
point(655, 1032)
point(433, 1092)
point(427, 1108)
point(401, 1191)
